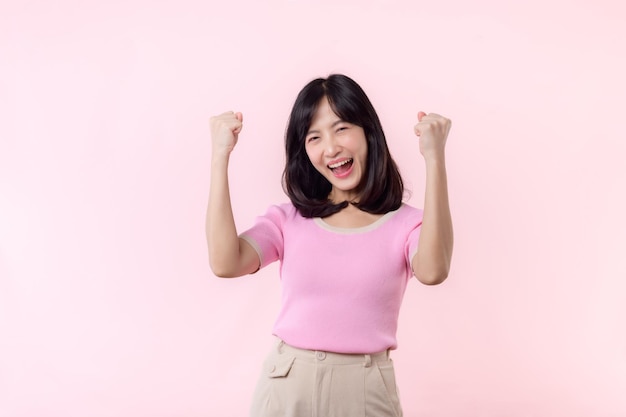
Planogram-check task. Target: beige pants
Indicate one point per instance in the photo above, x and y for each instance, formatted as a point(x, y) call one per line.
point(307, 383)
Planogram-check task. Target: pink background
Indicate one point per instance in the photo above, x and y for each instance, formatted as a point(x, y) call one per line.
point(107, 304)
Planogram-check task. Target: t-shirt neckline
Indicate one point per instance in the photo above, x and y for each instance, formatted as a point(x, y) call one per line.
point(355, 230)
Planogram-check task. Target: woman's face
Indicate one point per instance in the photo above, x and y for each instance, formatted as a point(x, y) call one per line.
point(338, 150)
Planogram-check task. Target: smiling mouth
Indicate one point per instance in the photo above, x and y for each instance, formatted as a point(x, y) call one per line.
point(341, 167)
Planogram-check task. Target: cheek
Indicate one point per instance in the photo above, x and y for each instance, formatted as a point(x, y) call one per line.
point(311, 154)
point(360, 145)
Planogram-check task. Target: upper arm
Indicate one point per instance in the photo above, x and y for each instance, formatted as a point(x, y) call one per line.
point(257, 247)
point(415, 267)
point(246, 262)
point(250, 261)
point(412, 245)
point(414, 264)
point(429, 270)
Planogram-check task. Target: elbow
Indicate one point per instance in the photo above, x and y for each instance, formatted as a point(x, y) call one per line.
point(222, 274)
point(432, 270)
point(221, 265)
point(432, 277)
point(221, 271)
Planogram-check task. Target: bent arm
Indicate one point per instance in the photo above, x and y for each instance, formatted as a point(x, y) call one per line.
point(229, 256)
point(431, 263)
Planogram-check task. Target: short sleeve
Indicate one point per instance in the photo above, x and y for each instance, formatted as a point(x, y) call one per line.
point(266, 235)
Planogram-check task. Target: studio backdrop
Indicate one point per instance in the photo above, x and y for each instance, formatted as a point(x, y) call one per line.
point(108, 307)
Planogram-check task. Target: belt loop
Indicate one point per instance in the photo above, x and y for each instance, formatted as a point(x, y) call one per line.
point(280, 346)
point(368, 361)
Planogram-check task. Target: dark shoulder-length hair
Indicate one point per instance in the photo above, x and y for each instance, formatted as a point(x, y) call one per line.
point(381, 188)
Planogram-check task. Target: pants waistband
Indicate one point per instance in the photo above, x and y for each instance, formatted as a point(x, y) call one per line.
point(331, 358)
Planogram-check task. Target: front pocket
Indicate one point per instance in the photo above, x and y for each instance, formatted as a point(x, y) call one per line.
point(280, 366)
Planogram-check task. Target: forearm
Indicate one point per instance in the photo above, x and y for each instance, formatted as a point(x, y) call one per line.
point(434, 254)
point(221, 232)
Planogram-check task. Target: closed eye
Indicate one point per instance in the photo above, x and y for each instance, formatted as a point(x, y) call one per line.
point(312, 138)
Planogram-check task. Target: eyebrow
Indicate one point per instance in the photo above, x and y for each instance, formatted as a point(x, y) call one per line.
point(333, 125)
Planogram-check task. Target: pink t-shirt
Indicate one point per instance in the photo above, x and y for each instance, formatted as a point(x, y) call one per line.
point(341, 287)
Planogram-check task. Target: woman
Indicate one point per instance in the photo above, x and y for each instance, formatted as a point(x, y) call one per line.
point(347, 246)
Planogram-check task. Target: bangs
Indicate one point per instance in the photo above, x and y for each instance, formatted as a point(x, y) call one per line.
point(348, 108)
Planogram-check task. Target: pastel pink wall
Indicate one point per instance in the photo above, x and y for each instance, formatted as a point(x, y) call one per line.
point(107, 304)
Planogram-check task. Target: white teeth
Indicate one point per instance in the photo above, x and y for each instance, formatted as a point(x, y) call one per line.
point(338, 164)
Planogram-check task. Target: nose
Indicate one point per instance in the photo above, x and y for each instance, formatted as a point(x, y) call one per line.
point(332, 148)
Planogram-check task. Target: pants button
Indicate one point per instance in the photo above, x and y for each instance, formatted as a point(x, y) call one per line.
point(320, 355)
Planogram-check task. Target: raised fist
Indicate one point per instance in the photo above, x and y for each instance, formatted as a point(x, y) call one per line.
point(225, 130)
point(432, 130)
